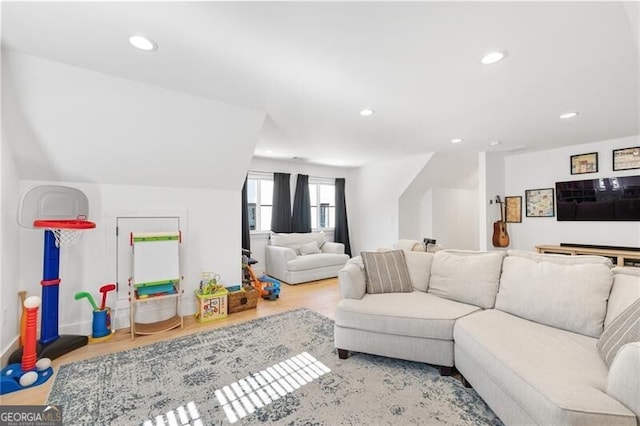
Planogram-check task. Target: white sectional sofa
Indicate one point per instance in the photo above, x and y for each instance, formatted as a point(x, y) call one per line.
point(520, 327)
point(301, 257)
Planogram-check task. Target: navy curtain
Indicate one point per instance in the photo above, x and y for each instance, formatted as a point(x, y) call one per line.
point(246, 238)
point(301, 218)
point(281, 206)
point(341, 232)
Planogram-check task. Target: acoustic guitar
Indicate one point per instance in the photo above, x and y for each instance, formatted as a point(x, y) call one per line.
point(500, 234)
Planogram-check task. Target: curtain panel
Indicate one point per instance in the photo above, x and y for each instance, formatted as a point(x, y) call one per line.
point(341, 232)
point(281, 207)
point(246, 237)
point(301, 217)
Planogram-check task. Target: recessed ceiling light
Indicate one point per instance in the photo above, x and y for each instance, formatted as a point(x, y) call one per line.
point(457, 140)
point(493, 57)
point(495, 143)
point(143, 43)
point(367, 112)
point(569, 115)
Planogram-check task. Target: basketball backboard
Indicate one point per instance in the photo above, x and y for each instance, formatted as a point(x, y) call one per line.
point(52, 202)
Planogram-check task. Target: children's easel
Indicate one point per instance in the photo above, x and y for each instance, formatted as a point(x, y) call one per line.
point(155, 276)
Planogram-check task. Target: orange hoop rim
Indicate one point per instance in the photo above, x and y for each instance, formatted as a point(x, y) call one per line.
point(75, 224)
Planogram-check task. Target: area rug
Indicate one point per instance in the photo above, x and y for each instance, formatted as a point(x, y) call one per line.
point(210, 378)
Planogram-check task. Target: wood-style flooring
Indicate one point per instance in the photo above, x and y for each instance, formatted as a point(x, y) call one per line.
point(320, 296)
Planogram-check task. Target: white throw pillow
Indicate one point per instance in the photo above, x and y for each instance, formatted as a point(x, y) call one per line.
point(419, 267)
point(569, 297)
point(466, 276)
point(309, 248)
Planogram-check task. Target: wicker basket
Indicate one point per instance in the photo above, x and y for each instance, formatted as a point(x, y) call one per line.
point(239, 301)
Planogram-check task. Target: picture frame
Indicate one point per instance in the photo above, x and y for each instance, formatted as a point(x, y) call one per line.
point(626, 158)
point(540, 202)
point(513, 209)
point(584, 163)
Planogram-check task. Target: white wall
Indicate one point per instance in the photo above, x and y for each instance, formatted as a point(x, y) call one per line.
point(211, 242)
point(10, 282)
point(441, 202)
point(379, 188)
point(259, 240)
point(542, 170)
point(453, 222)
point(492, 183)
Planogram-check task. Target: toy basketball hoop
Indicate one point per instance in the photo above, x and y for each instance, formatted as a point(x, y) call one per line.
point(59, 209)
point(67, 232)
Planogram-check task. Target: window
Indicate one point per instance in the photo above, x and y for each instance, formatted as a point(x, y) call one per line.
point(322, 193)
point(259, 198)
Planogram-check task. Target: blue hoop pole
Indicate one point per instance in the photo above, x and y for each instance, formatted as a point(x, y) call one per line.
point(50, 292)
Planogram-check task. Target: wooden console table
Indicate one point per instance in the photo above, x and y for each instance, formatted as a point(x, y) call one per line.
point(618, 257)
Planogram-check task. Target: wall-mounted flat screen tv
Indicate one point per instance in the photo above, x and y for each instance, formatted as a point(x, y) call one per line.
point(615, 198)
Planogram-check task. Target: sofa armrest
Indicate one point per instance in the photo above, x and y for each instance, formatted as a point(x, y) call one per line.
point(623, 382)
point(329, 247)
point(352, 281)
point(276, 260)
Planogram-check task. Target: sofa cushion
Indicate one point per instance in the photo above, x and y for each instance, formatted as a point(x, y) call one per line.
point(419, 266)
point(386, 272)
point(570, 297)
point(466, 276)
point(309, 248)
point(414, 314)
point(560, 259)
point(555, 376)
point(622, 330)
point(314, 261)
point(294, 240)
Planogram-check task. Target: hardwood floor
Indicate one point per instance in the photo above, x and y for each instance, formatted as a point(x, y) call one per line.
point(320, 296)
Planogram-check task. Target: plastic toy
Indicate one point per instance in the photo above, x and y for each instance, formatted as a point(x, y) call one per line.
point(271, 291)
point(84, 295)
point(101, 324)
point(29, 372)
point(61, 212)
point(104, 290)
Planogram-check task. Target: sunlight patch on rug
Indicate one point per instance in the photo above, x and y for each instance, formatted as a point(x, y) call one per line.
point(180, 416)
point(255, 391)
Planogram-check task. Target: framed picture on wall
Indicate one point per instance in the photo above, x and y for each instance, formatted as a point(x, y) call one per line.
point(626, 159)
point(513, 209)
point(540, 202)
point(584, 163)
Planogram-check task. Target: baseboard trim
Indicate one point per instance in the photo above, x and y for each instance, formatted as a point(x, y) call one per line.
point(4, 359)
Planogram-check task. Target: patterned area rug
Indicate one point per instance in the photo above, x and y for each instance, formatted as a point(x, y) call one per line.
point(201, 378)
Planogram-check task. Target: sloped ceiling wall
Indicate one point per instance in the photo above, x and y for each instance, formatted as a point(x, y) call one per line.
point(444, 170)
point(70, 124)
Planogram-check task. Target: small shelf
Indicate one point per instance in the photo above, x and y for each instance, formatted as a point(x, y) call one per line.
point(156, 327)
point(156, 297)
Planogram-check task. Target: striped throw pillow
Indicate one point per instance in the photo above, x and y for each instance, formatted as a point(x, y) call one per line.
point(625, 328)
point(386, 272)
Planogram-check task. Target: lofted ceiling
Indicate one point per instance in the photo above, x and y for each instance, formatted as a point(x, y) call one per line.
point(312, 66)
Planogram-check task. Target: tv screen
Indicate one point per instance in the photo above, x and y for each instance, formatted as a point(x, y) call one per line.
point(616, 198)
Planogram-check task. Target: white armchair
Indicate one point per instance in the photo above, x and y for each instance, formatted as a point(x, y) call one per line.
point(296, 258)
